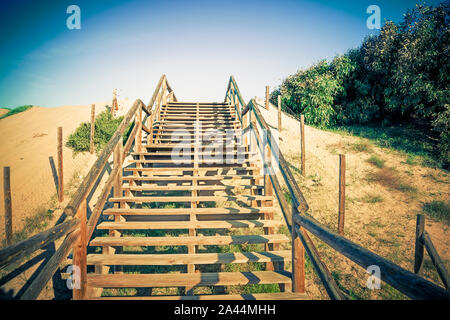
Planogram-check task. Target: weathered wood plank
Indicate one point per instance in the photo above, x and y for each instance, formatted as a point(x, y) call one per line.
point(185, 279)
point(403, 280)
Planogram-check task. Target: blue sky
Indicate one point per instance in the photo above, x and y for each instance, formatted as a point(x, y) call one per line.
point(198, 44)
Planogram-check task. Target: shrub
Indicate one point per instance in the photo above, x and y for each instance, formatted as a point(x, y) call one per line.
point(16, 110)
point(105, 126)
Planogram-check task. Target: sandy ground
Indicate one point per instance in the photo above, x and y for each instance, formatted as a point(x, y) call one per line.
point(28, 144)
point(27, 152)
point(3, 111)
point(387, 227)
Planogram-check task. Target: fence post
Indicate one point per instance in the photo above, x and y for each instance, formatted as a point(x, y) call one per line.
point(60, 166)
point(419, 248)
point(267, 97)
point(279, 114)
point(298, 259)
point(302, 143)
point(7, 200)
point(92, 128)
point(341, 194)
point(80, 253)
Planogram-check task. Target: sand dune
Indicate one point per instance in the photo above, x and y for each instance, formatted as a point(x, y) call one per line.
point(27, 142)
point(3, 111)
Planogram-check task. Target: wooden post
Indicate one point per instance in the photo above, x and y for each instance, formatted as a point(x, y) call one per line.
point(7, 200)
point(279, 114)
point(298, 259)
point(341, 194)
point(80, 253)
point(60, 166)
point(267, 97)
point(268, 191)
point(418, 254)
point(92, 128)
point(302, 143)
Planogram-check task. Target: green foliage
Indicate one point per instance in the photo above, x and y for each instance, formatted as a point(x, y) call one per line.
point(16, 110)
point(437, 209)
point(105, 126)
point(376, 161)
point(399, 75)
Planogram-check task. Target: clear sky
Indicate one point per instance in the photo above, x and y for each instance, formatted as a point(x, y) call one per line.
point(198, 44)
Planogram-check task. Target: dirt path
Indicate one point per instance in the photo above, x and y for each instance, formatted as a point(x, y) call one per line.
point(381, 203)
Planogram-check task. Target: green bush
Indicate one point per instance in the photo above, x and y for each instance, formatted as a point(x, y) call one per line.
point(105, 126)
point(16, 110)
point(397, 76)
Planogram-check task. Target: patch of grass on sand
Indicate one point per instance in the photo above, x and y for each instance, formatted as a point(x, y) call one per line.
point(362, 146)
point(412, 142)
point(438, 210)
point(389, 178)
point(36, 223)
point(372, 198)
point(16, 110)
point(376, 161)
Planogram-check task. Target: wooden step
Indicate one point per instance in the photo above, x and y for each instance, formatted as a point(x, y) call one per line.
point(158, 169)
point(149, 199)
point(190, 188)
point(168, 154)
point(186, 279)
point(245, 296)
point(187, 258)
point(191, 240)
point(180, 211)
point(191, 178)
point(173, 225)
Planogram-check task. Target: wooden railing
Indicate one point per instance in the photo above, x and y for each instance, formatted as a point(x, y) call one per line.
point(300, 223)
point(75, 227)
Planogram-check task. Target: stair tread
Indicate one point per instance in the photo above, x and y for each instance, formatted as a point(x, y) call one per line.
point(188, 258)
point(188, 198)
point(246, 296)
point(190, 240)
point(187, 279)
point(175, 211)
point(188, 188)
point(189, 178)
point(190, 224)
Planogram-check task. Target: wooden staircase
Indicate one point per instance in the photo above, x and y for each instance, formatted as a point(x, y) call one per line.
point(182, 227)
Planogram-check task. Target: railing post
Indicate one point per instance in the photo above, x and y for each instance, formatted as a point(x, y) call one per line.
point(268, 189)
point(80, 253)
point(92, 128)
point(138, 123)
point(419, 247)
point(298, 258)
point(60, 166)
point(267, 97)
point(8, 208)
point(279, 114)
point(302, 143)
point(341, 194)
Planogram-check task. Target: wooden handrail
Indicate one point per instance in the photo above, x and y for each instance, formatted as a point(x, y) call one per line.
point(51, 266)
point(403, 280)
point(26, 247)
point(101, 161)
point(436, 259)
point(329, 284)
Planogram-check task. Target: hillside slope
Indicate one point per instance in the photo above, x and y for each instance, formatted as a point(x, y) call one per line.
point(381, 203)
